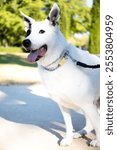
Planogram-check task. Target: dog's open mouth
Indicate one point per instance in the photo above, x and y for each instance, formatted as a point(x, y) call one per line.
point(35, 55)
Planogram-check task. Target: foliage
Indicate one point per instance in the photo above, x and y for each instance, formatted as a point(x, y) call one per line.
point(9, 34)
point(75, 17)
point(94, 42)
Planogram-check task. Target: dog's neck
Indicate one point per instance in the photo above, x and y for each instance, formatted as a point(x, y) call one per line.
point(56, 50)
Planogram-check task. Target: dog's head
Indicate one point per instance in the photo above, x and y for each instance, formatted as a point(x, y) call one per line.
point(42, 37)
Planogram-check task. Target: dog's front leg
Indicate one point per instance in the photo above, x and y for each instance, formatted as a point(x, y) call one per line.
point(69, 128)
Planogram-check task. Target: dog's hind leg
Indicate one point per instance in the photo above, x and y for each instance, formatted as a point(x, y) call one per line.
point(87, 129)
point(69, 128)
point(92, 113)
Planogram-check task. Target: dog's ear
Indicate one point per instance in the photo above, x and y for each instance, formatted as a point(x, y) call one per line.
point(28, 21)
point(54, 15)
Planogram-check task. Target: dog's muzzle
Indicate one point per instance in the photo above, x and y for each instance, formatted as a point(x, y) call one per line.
point(34, 54)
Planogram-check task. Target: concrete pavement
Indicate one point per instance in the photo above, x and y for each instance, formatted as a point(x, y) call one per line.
point(29, 120)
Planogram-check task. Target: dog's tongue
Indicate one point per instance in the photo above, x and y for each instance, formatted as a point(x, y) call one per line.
point(33, 56)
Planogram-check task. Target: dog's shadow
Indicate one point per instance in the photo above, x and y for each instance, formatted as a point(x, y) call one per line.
point(19, 105)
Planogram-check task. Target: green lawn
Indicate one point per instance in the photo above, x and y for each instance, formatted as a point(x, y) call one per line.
point(14, 55)
point(11, 50)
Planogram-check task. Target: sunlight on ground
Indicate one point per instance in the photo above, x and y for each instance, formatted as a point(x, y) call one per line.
point(18, 74)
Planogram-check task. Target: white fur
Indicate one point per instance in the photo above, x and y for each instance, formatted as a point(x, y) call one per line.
point(70, 86)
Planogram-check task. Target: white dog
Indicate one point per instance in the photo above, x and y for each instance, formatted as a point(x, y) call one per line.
point(69, 74)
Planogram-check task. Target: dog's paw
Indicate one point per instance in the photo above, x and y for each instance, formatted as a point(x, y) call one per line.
point(66, 142)
point(79, 134)
point(95, 143)
point(76, 135)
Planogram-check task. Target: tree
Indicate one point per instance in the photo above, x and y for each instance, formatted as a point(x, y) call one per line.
point(9, 28)
point(94, 41)
point(75, 17)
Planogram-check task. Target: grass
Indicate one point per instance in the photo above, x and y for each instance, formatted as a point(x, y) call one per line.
point(10, 50)
point(14, 55)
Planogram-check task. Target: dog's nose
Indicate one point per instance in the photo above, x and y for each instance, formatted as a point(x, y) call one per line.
point(26, 43)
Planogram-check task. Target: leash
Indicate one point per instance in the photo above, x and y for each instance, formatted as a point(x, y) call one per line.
point(63, 58)
point(84, 65)
point(87, 66)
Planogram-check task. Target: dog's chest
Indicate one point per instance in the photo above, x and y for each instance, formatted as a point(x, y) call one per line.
point(67, 81)
point(61, 77)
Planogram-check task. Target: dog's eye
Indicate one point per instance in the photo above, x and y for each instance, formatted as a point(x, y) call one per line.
point(41, 31)
point(28, 32)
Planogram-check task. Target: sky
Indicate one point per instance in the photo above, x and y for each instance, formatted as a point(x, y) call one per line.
point(89, 2)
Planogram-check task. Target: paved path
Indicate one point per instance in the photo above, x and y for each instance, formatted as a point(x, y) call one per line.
point(29, 120)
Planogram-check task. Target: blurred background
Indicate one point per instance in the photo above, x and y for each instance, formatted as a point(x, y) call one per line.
point(79, 22)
